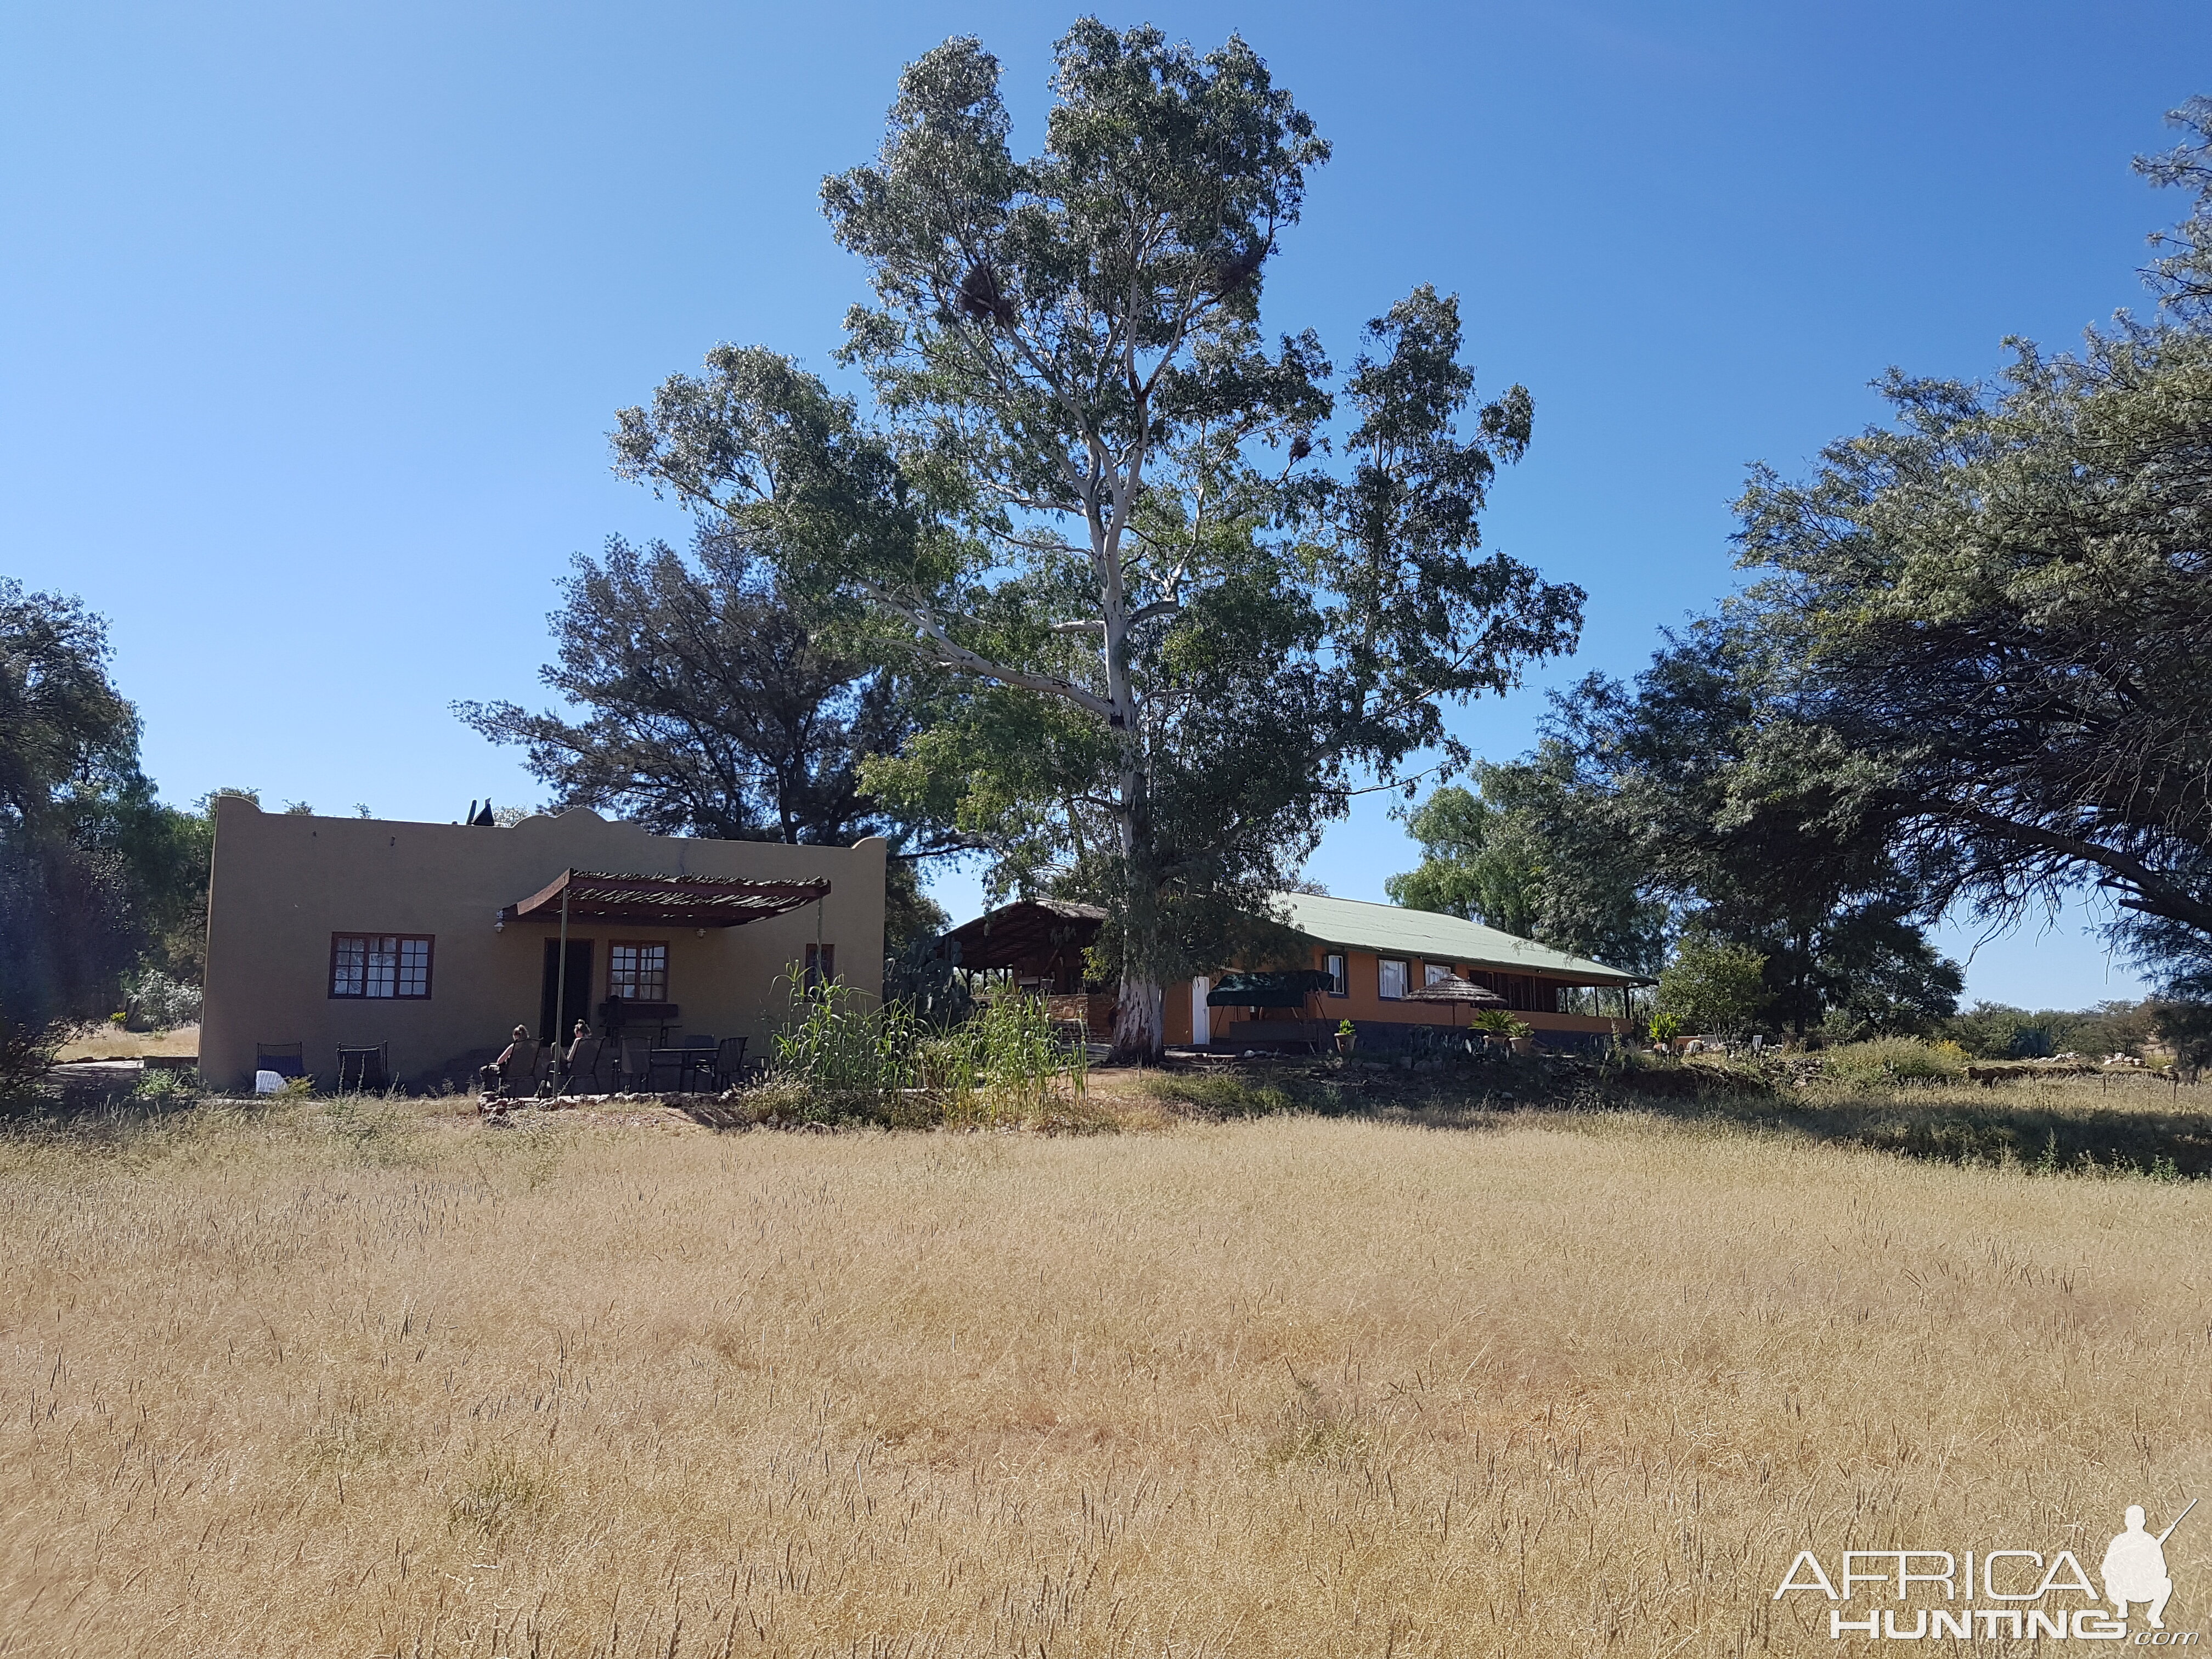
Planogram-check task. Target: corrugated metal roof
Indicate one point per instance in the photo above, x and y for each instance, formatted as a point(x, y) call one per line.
point(1393, 930)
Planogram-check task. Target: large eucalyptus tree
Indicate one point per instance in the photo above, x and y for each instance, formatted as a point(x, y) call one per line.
point(1106, 502)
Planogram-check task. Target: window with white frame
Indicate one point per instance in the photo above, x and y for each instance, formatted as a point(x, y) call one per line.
point(395, 965)
point(1435, 972)
point(1340, 983)
point(1389, 978)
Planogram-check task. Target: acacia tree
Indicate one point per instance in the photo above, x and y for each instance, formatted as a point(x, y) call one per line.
point(1998, 612)
point(68, 739)
point(1101, 500)
point(1535, 853)
point(1753, 828)
point(710, 707)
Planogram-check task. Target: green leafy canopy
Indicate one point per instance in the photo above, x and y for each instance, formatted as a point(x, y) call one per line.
point(1194, 603)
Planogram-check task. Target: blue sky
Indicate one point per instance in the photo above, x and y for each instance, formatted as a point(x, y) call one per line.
point(314, 319)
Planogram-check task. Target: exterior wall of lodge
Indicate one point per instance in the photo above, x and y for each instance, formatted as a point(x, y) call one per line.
point(285, 887)
point(1535, 999)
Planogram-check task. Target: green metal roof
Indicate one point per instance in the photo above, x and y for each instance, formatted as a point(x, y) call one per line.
point(1392, 930)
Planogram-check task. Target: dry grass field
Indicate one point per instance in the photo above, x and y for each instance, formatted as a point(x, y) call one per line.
point(361, 1383)
point(112, 1042)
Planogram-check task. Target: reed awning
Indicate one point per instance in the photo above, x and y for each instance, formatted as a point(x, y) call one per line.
point(664, 900)
point(1451, 987)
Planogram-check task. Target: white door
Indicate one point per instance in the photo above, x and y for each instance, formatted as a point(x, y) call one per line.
point(1201, 1030)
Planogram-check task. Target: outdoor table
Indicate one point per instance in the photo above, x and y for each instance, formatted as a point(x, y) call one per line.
point(681, 1061)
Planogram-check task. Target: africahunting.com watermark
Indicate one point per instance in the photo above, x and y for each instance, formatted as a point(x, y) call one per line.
point(1910, 1595)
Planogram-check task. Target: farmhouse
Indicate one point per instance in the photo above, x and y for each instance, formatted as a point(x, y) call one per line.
point(1362, 962)
point(425, 943)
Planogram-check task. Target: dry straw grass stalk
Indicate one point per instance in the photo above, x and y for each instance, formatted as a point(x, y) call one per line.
point(366, 1383)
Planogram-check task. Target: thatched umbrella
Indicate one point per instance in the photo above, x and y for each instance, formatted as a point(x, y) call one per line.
point(1458, 993)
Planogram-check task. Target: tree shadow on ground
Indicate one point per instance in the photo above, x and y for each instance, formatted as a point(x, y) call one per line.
point(2118, 1125)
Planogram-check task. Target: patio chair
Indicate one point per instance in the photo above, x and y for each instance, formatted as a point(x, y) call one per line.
point(524, 1071)
point(636, 1067)
point(729, 1061)
point(365, 1068)
point(699, 1068)
point(582, 1061)
point(285, 1059)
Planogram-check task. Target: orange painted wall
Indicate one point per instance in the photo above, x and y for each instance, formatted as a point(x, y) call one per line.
point(1364, 1001)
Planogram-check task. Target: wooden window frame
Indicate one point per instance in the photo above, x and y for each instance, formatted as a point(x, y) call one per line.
point(1339, 977)
point(1404, 978)
point(666, 965)
point(428, 941)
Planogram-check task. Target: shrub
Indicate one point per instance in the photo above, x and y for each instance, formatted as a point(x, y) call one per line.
point(1500, 1022)
point(1992, 1030)
point(25, 1052)
point(1223, 1095)
point(1006, 1061)
point(1892, 1059)
point(1714, 985)
point(161, 1083)
point(161, 1002)
point(838, 1040)
point(1018, 1056)
point(2185, 1028)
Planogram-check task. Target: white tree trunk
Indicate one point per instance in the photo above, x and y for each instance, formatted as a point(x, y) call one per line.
point(1137, 1030)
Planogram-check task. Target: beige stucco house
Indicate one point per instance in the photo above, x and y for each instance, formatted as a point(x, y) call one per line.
point(439, 938)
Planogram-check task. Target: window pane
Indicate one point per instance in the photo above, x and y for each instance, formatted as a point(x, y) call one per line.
point(1336, 985)
point(346, 955)
point(638, 973)
point(1390, 977)
point(383, 964)
point(1435, 972)
point(379, 965)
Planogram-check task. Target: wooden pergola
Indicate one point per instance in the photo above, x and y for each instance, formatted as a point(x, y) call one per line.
point(662, 901)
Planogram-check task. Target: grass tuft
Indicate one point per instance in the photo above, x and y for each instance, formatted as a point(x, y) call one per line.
point(1429, 1378)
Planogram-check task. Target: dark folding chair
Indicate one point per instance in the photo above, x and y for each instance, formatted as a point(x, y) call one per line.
point(634, 1069)
point(525, 1071)
point(729, 1061)
point(699, 1066)
point(582, 1061)
point(285, 1059)
point(364, 1069)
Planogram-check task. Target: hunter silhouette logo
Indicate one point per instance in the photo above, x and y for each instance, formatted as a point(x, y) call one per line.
point(2134, 1566)
point(2027, 1593)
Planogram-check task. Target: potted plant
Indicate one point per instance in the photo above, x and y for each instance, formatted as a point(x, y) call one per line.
point(1495, 1024)
point(1348, 1038)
